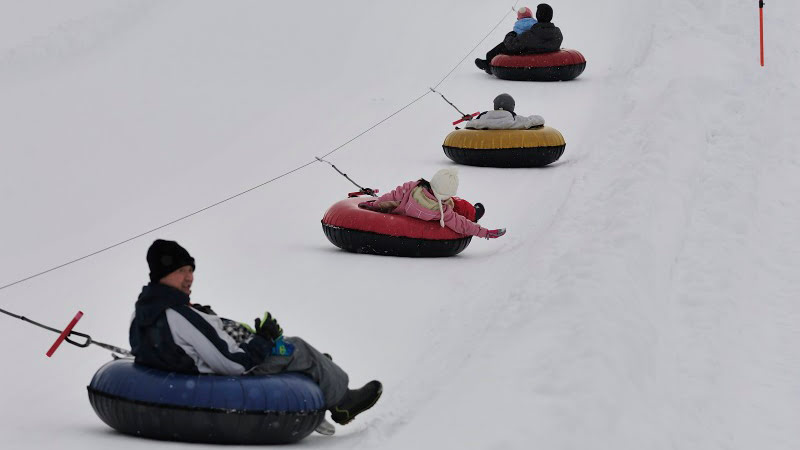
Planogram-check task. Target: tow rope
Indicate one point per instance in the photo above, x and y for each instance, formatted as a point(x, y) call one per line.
point(63, 335)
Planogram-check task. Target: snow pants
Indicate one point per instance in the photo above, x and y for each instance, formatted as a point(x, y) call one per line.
point(500, 48)
point(308, 360)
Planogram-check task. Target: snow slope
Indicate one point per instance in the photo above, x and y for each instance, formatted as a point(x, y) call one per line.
point(644, 296)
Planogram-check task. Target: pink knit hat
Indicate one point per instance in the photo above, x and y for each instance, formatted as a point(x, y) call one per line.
point(524, 12)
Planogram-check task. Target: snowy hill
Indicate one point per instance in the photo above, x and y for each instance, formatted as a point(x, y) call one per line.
point(645, 295)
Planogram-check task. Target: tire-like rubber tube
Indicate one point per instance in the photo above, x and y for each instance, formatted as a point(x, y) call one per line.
point(563, 65)
point(216, 409)
point(536, 147)
point(361, 231)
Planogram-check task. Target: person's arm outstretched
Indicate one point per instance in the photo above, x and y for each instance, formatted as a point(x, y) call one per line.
point(462, 225)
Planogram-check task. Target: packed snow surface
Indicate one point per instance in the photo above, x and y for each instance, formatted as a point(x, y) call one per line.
point(645, 296)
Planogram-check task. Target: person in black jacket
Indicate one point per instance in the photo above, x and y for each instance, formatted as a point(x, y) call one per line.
point(543, 37)
point(171, 334)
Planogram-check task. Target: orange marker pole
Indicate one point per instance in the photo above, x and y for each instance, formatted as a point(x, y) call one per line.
point(761, 28)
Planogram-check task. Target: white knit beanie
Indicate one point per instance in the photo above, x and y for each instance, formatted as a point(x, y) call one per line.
point(444, 185)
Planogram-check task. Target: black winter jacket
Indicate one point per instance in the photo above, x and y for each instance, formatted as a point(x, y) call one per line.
point(164, 316)
point(541, 38)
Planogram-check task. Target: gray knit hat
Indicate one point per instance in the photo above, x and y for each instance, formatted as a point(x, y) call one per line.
point(504, 102)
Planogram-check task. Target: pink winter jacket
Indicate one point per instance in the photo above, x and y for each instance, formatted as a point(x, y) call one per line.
point(408, 206)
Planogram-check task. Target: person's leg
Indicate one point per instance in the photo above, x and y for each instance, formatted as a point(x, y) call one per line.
point(344, 404)
point(498, 49)
point(485, 64)
point(331, 379)
point(356, 401)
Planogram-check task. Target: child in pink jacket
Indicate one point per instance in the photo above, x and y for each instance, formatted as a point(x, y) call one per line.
point(431, 201)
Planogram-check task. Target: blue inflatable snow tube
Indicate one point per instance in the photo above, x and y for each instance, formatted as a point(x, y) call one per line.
point(218, 409)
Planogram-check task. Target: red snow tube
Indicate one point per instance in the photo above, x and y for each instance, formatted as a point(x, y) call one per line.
point(362, 231)
point(562, 65)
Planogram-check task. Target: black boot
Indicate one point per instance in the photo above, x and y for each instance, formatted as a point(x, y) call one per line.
point(479, 211)
point(483, 65)
point(356, 401)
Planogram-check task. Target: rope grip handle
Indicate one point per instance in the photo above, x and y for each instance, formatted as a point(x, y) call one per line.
point(63, 336)
point(363, 191)
point(79, 344)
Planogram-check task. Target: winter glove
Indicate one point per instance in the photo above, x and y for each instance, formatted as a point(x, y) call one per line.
point(282, 348)
point(367, 205)
point(494, 234)
point(382, 207)
point(206, 309)
point(268, 327)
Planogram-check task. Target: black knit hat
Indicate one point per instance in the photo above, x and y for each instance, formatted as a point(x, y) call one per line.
point(165, 257)
point(544, 13)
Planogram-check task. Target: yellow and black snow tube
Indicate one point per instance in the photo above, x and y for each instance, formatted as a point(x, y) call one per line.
point(534, 147)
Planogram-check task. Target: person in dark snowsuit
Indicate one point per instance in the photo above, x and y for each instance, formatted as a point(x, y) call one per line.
point(542, 37)
point(169, 334)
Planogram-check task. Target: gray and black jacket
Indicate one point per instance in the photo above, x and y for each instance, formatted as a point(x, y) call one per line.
point(543, 37)
point(168, 334)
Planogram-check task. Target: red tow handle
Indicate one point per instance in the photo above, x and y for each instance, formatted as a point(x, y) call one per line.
point(64, 334)
point(366, 191)
point(462, 119)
